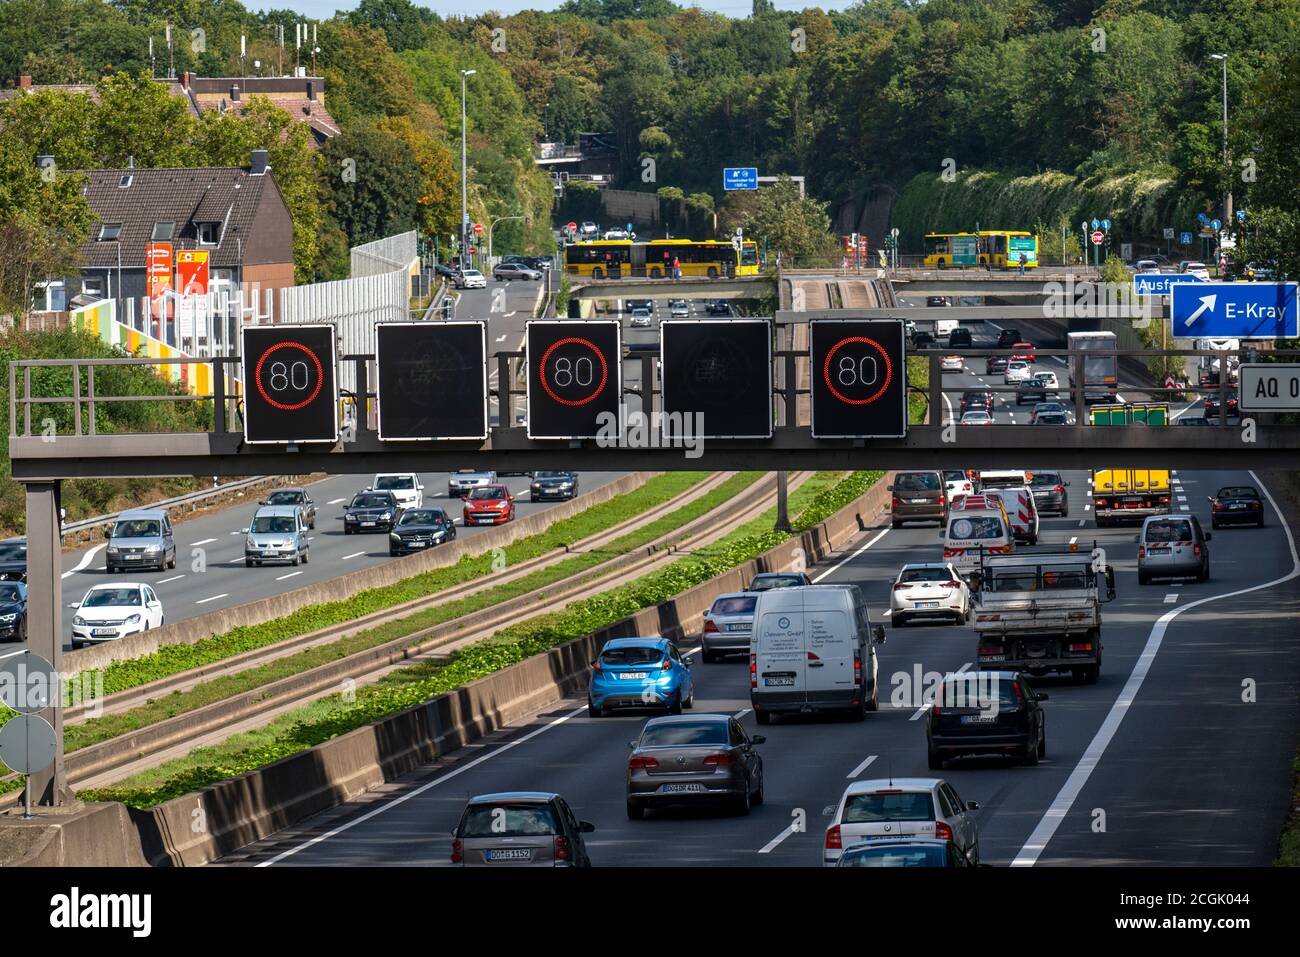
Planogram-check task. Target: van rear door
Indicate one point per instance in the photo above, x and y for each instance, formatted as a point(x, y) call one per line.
point(830, 644)
point(780, 658)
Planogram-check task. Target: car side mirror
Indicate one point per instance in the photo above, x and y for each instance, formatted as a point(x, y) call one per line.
point(759, 739)
point(632, 745)
point(1040, 696)
point(1137, 539)
point(261, 501)
point(972, 805)
point(889, 488)
point(688, 661)
point(586, 827)
point(243, 531)
point(75, 604)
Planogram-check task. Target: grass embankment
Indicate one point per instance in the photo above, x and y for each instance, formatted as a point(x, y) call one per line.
point(302, 728)
point(918, 378)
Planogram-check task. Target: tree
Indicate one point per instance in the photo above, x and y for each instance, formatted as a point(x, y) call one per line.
point(138, 118)
point(778, 218)
point(373, 182)
point(403, 23)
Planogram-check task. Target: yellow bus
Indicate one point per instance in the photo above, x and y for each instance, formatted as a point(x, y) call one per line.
point(603, 259)
point(749, 265)
point(1000, 248)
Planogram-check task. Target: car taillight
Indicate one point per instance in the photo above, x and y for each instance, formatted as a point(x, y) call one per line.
point(942, 831)
point(1058, 488)
point(987, 650)
point(667, 665)
point(711, 627)
point(902, 585)
point(941, 500)
point(562, 848)
point(833, 840)
point(1086, 646)
point(642, 763)
point(1164, 500)
point(597, 666)
point(1256, 504)
point(1218, 506)
point(753, 671)
point(896, 501)
point(1101, 501)
point(857, 668)
point(1196, 551)
point(457, 851)
point(719, 760)
point(1142, 551)
point(951, 584)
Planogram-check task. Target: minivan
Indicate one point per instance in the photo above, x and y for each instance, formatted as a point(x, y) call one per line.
point(278, 533)
point(813, 649)
point(141, 538)
point(405, 486)
point(960, 339)
point(1173, 546)
point(918, 496)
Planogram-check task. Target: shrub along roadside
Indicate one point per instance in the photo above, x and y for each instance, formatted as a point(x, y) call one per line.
point(409, 687)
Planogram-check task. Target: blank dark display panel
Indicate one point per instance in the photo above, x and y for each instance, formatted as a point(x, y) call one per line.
point(432, 381)
point(717, 378)
point(858, 378)
point(290, 384)
point(574, 378)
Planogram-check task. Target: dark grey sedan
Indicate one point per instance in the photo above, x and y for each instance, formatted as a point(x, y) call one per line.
point(294, 496)
point(370, 512)
point(693, 760)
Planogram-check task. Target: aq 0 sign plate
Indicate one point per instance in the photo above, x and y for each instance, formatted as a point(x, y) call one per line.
point(718, 374)
point(859, 378)
point(574, 375)
point(290, 384)
point(430, 374)
point(1269, 387)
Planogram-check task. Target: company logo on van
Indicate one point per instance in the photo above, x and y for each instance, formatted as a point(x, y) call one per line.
point(783, 622)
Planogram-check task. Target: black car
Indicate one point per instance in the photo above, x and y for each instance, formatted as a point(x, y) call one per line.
point(1194, 420)
point(996, 365)
point(976, 400)
point(419, 529)
point(960, 339)
point(13, 611)
point(370, 512)
point(445, 271)
point(1212, 405)
point(922, 340)
point(1036, 388)
point(986, 713)
point(561, 485)
point(1050, 418)
point(1008, 338)
point(1049, 490)
point(13, 560)
point(1237, 505)
point(718, 307)
point(1047, 408)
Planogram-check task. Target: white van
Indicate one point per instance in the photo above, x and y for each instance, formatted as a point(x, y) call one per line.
point(813, 649)
point(976, 523)
point(943, 328)
point(1021, 510)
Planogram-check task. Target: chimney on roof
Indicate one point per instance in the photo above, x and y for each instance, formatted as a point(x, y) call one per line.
point(185, 80)
point(130, 162)
point(24, 82)
point(259, 163)
point(234, 92)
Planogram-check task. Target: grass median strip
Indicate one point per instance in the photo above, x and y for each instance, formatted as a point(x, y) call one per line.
point(304, 727)
point(220, 688)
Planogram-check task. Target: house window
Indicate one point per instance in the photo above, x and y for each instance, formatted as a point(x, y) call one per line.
point(109, 232)
point(92, 287)
point(50, 297)
point(163, 231)
point(125, 181)
point(207, 234)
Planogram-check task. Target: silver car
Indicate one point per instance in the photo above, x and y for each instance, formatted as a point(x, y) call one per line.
point(278, 533)
point(460, 484)
point(141, 538)
point(1172, 546)
point(519, 829)
point(508, 271)
point(728, 624)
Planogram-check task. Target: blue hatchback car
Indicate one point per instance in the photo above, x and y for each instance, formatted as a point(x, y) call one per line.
point(640, 673)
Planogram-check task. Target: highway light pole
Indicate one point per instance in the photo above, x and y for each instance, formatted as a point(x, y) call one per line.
point(1227, 195)
point(464, 191)
point(492, 226)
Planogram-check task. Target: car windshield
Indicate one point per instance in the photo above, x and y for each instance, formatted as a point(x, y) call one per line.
point(1041, 479)
point(370, 501)
point(1166, 531)
point(13, 552)
point(394, 481)
point(110, 597)
point(551, 475)
point(10, 593)
point(422, 516)
point(975, 527)
point(472, 272)
point(917, 482)
point(764, 582)
point(978, 691)
point(926, 855)
point(888, 806)
point(632, 655)
point(738, 605)
point(1238, 491)
point(684, 733)
point(272, 523)
point(925, 575)
point(508, 820)
point(285, 498)
point(481, 494)
point(136, 528)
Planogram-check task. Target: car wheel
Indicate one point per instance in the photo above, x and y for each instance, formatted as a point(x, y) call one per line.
point(1205, 572)
point(392, 553)
point(896, 523)
point(1030, 756)
point(635, 812)
point(1214, 524)
point(346, 530)
point(305, 554)
point(1042, 745)
point(763, 717)
point(172, 563)
point(759, 797)
point(296, 559)
point(1065, 512)
point(593, 711)
point(1090, 674)
point(690, 699)
point(933, 759)
point(874, 703)
point(744, 804)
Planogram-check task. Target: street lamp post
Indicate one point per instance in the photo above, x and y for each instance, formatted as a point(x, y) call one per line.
point(464, 171)
point(492, 226)
point(1227, 195)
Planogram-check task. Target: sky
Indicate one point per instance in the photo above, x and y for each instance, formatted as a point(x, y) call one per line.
point(324, 9)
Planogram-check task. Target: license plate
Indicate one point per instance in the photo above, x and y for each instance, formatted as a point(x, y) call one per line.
point(738, 628)
point(1236, 506)
point(993, 657)
point(108, 632)
point(927, 604)
point(509, 854)
point(919, 501)
point(1159, 549)
point(631, 675)
point(417, 544)
point(977, 719)
point(367, 524)
point(777, 682)
point(133, 558)
point(682, 788)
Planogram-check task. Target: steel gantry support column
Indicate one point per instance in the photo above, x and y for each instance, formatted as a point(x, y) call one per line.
point(45, 620)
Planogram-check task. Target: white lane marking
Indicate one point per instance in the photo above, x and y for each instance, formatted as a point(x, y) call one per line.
point(290, 575)
point(1182, 498)
point(850, 558)
point(501, 339)
point(926, 707)
point(1073, 539)
point(1081, 521)
point(353, 555)
point(1120, 398)
point(335, 501)
point(86, 559)
point(174, 578)
point(10, 654)
point(203, 541)
point(772, 844)
point(204, 601)
point(1087, 507)
point(402, 799)
point(861, 767)
point(1171, 598)
point(1073, 786)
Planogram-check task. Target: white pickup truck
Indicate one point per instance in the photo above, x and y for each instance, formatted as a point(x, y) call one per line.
point(1040, 611)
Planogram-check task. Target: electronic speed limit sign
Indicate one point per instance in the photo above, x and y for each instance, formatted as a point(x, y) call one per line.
point(859, 378)
point(432, 380)
point(290, 384)
point(574, 376)
point(717, 377)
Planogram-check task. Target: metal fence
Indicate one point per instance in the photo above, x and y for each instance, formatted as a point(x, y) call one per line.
point(384, 255)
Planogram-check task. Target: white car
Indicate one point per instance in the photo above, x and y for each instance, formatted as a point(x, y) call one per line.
point(957, 482)
point(613, 234)
point(952, 364)
point(471, 279)
point(460, 484)
point(641, 318)
point(976, 417)
point(405, 486)
point(929, 590)
point(679, 309)
point(1146, 266)
point(110, 612)
point(1196, 269)
point(1017, 371)
point(900, 808)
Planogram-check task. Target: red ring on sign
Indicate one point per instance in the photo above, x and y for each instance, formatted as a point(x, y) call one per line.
point(826, 370)
point(604, 370)
point(257, 376)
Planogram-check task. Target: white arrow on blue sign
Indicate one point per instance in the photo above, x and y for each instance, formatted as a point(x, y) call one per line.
point(1096, 224)
point(1241, 215)
point(1158, 283)
point(1105, 224)
point(1217, 225)
point(1235, 310)
point(740, 177)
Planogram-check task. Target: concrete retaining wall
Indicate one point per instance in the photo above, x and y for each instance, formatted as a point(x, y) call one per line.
point(337, 589)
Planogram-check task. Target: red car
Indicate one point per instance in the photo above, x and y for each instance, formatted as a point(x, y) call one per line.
point(489, 505)
point(1026, 351)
